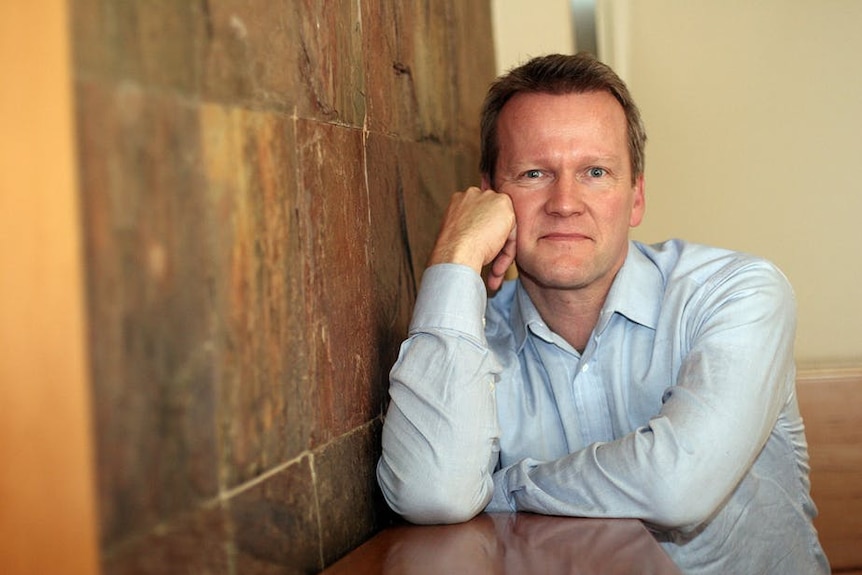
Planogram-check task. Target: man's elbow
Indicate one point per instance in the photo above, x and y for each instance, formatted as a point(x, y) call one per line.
point(431, 510)
point(429, 501)
point(682, 509)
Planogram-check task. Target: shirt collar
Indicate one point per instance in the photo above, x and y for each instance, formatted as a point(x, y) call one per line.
point(636, 293)
point(526, 317)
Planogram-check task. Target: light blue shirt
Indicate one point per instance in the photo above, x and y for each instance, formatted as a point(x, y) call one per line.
point(681, 411)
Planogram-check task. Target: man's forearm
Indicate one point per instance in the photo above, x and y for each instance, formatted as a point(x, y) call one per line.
point(440, 434)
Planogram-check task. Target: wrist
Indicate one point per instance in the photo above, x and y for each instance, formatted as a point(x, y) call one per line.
point(456, 255)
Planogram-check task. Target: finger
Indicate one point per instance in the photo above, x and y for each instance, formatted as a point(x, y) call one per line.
point(506, 257)
point(501, 264)
point(503, 260)
point(496, 275)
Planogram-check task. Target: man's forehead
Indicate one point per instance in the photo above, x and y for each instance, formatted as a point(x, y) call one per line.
point(544, 111)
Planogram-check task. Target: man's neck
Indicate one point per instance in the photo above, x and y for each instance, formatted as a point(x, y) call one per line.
point(573, 313)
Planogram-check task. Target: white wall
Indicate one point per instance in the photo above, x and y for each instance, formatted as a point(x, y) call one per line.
point(754, 116)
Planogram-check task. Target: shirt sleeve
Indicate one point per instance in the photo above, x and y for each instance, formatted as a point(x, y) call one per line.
point(677, 470)
point(440, 436)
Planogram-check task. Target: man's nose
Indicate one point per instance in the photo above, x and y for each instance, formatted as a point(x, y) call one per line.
point(566, 197)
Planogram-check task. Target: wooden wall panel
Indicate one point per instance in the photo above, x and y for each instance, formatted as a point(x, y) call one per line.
point(831, 404)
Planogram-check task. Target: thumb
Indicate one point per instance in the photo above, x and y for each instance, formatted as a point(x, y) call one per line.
point(502, 262)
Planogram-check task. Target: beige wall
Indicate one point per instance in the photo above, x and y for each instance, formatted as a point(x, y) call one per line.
point(753, 115)
point(526, 28)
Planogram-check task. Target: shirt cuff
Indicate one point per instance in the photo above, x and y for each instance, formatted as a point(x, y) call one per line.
point(500, 501)
point(451, 297)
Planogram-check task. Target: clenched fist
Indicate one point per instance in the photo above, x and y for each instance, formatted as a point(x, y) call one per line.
point(478, 229)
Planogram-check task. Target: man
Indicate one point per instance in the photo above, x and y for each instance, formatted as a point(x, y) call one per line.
point(611, 379)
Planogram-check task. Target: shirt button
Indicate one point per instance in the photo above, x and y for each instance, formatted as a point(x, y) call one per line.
point(585, 368)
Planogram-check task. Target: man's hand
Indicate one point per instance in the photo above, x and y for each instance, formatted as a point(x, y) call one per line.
point(478, 229)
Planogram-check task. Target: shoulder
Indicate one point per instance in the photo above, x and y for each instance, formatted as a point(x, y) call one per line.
point(701, 280)
point(707, 266)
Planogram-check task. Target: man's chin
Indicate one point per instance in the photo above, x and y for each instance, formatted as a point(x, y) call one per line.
point(555, 278)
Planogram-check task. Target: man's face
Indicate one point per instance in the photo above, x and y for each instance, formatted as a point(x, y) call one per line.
point(564, 162)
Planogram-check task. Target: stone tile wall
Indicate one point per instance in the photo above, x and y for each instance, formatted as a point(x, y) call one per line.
point(261, 181)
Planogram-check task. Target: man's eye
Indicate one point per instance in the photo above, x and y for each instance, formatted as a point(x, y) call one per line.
point(596, 172)
point(533, 174)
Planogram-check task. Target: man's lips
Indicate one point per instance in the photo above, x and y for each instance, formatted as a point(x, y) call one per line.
point(564, 237)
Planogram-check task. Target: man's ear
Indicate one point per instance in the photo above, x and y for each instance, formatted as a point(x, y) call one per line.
point(638, 203)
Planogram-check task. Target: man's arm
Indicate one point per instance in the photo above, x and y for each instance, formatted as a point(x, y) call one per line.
point(440, 434)
point(679, 469)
